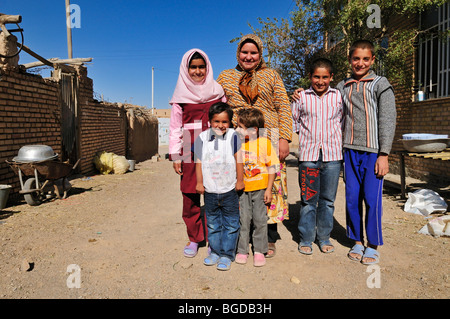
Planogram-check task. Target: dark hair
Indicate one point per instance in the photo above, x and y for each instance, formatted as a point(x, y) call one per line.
point(361, 44)
point(218, 108)
point(196, 56)
point(251, 118)
point(249, 41)
point(321, 63)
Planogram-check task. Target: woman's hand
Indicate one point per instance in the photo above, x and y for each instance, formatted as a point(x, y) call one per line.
point(283, 146)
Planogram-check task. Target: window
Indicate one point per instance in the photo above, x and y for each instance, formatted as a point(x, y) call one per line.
point(433, 53)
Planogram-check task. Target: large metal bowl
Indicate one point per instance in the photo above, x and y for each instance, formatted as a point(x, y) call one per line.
point(426, 146)
point(35, 153)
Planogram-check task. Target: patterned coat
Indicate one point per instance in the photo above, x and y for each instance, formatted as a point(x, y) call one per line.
point(272, 101)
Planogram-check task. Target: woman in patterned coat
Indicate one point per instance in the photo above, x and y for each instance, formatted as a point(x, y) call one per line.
point(252, 84)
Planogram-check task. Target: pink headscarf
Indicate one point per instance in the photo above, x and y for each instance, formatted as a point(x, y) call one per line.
point(188, 91)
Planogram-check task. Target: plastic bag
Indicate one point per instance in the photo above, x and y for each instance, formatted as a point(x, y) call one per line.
point(437, 227)
point(424, 202)
point(104, 162)
point(120, 164)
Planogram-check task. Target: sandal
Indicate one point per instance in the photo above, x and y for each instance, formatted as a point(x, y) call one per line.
point(224, 263)
point(211, 259)
point(241, 259)
point(370, 253)
point(326, 243)
point(272, 249)
point(259, 260)
point(191, 249)
point(356, 249)
point(300, 246)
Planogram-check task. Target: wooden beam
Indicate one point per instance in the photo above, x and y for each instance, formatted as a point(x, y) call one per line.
point(76, 61)
point(37, 56)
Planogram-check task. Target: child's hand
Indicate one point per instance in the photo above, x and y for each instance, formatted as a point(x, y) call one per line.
point(200, 189)
point(381, 166)
point(240, 185)
point(177, 167)
point(296, 95)
point(268, 196)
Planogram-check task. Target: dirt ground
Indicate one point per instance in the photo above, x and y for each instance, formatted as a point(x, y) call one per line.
point(126, 235)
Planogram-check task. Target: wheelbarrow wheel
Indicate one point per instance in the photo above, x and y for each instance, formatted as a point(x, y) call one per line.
point(34, 198)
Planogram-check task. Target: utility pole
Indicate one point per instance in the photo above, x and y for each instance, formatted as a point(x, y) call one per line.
point(69, 30)
point(153, 75)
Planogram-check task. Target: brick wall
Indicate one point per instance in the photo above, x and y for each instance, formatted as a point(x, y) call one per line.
point(30, 113)
point(432, 116)
point(103, 125)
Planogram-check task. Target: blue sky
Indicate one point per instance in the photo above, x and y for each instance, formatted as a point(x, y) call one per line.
point(127, 38)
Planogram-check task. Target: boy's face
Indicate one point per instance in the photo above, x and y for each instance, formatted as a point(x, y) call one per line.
point(361, 61)
point(320, 80)
point(247, 133)
point(220, 123)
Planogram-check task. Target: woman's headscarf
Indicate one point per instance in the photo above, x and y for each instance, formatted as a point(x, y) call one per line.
point(248, 83)
point(190, 92)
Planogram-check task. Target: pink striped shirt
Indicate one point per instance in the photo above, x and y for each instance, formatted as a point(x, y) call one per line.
point(318, 122)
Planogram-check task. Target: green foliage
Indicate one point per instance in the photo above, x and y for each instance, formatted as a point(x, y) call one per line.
point(291, 44)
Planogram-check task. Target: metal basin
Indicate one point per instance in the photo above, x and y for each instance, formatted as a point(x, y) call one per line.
point(35, 153)
point(425, 146)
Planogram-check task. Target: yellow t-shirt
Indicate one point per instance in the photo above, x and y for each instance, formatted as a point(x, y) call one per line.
point(258, 155)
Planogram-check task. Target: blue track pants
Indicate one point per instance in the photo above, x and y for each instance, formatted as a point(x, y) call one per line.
point(362, 186)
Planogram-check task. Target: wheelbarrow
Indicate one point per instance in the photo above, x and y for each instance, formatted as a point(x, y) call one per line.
point(42, 178)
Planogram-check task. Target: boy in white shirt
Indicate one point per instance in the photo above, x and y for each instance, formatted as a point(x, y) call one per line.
point(219, 177)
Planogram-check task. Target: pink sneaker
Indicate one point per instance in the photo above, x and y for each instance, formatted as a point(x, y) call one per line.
point(259, 260)
point(241, 259)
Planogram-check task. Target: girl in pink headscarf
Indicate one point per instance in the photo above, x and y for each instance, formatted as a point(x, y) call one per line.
point(195, 92)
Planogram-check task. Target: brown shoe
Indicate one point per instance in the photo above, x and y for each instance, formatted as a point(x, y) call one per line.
point(272, 250)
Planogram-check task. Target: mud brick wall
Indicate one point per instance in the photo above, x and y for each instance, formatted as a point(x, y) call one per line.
point(103, 126)
point(29, 114)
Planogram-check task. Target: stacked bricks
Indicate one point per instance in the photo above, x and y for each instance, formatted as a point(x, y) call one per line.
point(431, 116)
point(29, 114)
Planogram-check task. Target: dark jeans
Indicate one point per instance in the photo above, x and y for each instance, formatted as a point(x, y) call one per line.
point(222, 220)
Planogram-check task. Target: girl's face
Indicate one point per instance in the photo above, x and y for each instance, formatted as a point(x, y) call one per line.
point(197, 70)
point(220, 123)
point(249, 56)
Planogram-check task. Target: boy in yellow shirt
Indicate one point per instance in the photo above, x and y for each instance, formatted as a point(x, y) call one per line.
point(259, 159)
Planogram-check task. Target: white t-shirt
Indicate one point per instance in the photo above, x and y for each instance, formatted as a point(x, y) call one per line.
point(216, 153)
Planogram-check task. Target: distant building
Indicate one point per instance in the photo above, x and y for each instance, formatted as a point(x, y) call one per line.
point(161, 113)
point(163, 116)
